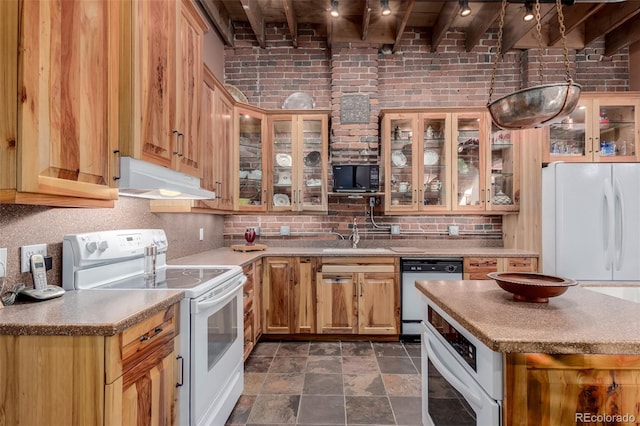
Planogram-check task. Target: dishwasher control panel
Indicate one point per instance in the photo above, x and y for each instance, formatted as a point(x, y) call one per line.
point(432, 265)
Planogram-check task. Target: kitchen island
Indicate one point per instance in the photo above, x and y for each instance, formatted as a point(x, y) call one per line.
point(572, 359)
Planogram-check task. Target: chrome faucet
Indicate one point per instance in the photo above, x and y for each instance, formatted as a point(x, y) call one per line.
point(355, 236)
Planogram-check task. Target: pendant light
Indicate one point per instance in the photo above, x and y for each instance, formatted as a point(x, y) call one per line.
point(537, 105)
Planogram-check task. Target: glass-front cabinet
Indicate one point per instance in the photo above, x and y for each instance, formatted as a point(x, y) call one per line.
point(251, 192)
point(439, 161)
point(416, 161)
point(602, 128)
point(299, 157)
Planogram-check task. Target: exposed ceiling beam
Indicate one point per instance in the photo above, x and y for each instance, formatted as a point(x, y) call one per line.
point(480, 24)
point(403, 24)
point(256, 20)
point(447, 14)
point(366, 17)
point(292, 22)
point(609, 18)
point(516, 28)
point(574, 17)
point(220, 20)
point(626, 34)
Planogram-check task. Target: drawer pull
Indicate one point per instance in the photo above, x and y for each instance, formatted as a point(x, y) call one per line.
point(181, 382)
point(146, 337)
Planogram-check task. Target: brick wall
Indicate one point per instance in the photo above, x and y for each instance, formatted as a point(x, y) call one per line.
point(412, 77)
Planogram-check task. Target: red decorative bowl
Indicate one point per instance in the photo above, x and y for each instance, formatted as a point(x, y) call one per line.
point(531, 287)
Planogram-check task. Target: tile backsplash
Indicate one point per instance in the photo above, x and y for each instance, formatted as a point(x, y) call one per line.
point(24, 225)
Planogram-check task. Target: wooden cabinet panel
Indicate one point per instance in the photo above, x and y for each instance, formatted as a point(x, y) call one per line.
point(66, 126)
point(378, 306)
point(549, 390)
point(477, 268)
point(336, 306)
point(288, 295)
point(358, 296)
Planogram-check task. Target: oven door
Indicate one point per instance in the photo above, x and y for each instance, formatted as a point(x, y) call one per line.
point(450, 395)
point(216, 353)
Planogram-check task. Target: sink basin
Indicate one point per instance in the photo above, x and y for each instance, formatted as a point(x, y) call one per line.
point(355, 250)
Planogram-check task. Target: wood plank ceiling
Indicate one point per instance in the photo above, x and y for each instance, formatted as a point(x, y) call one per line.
point(360, 21)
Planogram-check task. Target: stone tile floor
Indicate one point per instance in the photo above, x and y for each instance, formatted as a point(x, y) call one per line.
point(331, 383)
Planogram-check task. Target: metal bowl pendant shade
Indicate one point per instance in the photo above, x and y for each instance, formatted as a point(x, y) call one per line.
point(537, 105)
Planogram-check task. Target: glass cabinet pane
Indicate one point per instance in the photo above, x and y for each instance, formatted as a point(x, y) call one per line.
point(617, 129)
point(312, 165)
point(401, 161)
point(282, 162)
point(468, 161)
point(250, 156)
point(502, 188)
point(434, 162)
point(568, 137)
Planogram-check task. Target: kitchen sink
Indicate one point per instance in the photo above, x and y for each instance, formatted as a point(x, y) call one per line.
point(355, 250)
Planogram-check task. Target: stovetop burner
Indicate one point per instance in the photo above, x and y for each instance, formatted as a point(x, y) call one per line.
point(179, 278)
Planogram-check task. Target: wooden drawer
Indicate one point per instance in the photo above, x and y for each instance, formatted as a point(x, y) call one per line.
point(477, 268)
point(519, 264)
point(152, 337)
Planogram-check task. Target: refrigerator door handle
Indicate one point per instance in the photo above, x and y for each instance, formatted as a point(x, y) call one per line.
point(619, 225)
point(609, 224)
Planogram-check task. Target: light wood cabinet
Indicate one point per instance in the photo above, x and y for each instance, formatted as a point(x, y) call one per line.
point(161, 89)
point(358, 296)
point(602, 128)
point(288, 291)
point(547, 390)
point(448, 161)
point(252, 306)
point(477, 268)
point(299, 157)
point(60, 129)
point(92, 380)
point(250, 161)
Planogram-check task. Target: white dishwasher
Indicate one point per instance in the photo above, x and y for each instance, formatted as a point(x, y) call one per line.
point(416, 269)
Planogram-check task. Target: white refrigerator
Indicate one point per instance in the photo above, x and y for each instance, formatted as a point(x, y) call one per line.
point(591, 221)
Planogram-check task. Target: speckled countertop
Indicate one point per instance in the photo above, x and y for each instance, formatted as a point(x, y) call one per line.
point(578, 321)
point(86, 312)
point(226, 256)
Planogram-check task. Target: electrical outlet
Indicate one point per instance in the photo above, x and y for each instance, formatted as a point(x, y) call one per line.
point(454, 230)
point(27, 251)
point(3, 262)
point(285, 230)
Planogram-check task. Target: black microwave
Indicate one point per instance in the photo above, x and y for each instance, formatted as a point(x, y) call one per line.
point(356, 178)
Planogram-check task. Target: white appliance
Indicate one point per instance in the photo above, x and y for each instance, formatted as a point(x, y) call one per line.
point(211, 314)
point(590, 221)
point(415, 269)
point(462, 379)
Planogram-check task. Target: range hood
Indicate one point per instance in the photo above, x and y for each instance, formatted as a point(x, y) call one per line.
point(145, 180)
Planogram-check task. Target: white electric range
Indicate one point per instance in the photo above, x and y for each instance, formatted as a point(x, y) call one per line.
point(211, 314)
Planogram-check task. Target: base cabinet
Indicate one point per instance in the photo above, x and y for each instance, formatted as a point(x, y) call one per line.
point(128, 378)
point(477, 268)
point(358, 296)
point(548, 390)
point(288, 295)
point(252, 306)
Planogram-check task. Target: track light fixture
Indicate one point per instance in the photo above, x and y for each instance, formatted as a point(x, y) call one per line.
point(528, 12)
point(334, 8)
point(465, 10)
point(384, 5)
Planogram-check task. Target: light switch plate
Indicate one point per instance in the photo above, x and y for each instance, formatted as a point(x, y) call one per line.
point(3, 262)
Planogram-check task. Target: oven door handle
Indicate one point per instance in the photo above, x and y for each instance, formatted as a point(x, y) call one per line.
point(449, 375)
point(227, 294)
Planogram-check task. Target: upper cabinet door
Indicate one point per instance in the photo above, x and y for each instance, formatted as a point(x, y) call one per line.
point(469, 171)
point(503, 170)
point(400, 131)
point(434, 157)
point(602, 128)
point(163, 79)
point(299, 153)
point(250, 160)
point(68, 104)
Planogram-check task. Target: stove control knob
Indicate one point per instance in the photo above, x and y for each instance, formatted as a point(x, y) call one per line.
point(91, 246)
point(103, 245)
